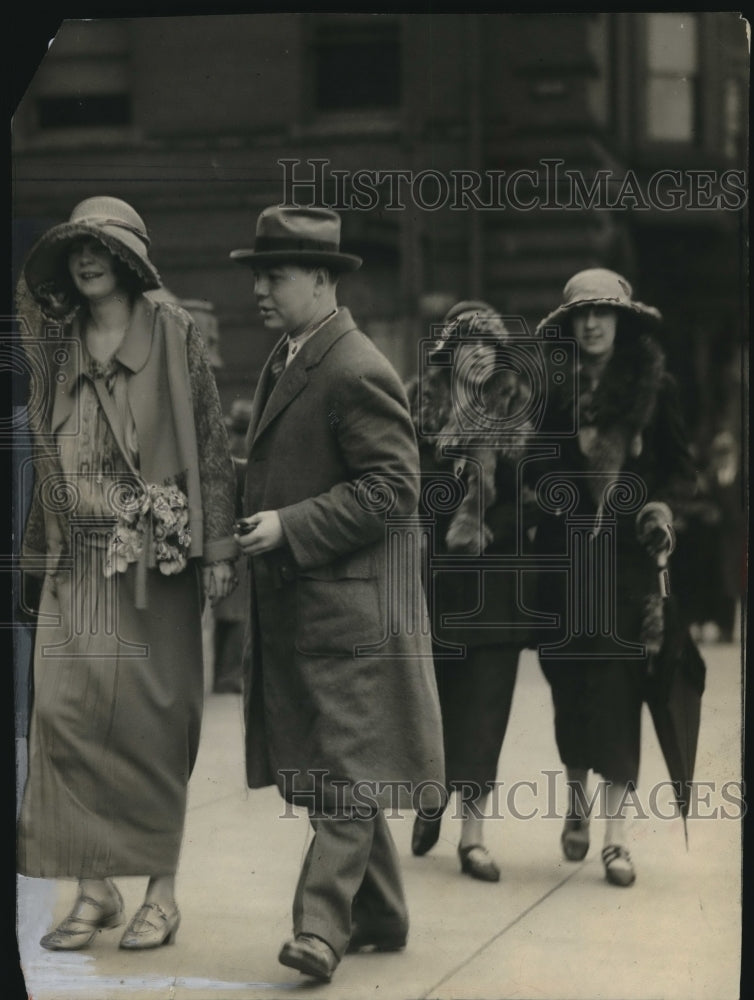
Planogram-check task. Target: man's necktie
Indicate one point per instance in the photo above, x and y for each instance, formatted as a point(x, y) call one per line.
point(277, 366)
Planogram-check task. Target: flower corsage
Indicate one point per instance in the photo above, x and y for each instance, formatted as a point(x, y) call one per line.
point(150, 515)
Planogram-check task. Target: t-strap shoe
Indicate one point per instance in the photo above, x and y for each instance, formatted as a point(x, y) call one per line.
point(77, 931)
point(619, 869)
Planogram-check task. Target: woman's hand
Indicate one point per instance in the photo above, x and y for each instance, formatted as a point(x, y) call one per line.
point(654, 529)
point(219, 581)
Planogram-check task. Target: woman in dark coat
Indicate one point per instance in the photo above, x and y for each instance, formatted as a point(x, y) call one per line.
point(468, 408)
point(131, 517)
point(617, 477)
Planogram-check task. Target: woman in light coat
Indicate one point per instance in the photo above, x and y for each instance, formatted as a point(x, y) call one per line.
point(131, 519)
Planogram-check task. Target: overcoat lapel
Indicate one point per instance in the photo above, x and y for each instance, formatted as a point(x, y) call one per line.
point(295, 376)
point(257, 405)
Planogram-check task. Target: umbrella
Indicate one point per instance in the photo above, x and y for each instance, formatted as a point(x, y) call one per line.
point(675, 685)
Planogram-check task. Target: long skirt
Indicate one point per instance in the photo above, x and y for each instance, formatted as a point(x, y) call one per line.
point(115, 723)
point(598, 715)
point(476, 694)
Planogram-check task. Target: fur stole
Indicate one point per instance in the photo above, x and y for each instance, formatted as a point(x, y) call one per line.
point(614, 415)
point(477, 407)
point(612, 420)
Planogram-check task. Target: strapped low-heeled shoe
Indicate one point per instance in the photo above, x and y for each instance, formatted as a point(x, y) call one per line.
point(150, 927)
point(76, 931)
point(619, 869)
point(425, 834)
point(483, 868)
point(575, 838)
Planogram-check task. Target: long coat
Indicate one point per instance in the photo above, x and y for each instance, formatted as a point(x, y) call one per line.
point(337, 689)
point(489, 600)
point(116, 716)
point(632, 427)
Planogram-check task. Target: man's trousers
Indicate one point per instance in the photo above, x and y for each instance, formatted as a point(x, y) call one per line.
point(350, 877)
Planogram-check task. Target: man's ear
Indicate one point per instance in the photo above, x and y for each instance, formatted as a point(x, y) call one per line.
point(322, 279)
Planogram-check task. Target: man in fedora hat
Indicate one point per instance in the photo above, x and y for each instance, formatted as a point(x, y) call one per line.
point(340, 704)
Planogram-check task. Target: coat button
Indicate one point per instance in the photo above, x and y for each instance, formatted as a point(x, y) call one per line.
point(287, 572)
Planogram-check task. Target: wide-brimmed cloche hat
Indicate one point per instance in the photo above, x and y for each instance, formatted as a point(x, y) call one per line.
point(597, 286)
point(306, 236)
point(112, 222)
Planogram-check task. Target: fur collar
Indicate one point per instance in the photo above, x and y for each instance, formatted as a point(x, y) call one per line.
point(472, 406)
point(614, 415)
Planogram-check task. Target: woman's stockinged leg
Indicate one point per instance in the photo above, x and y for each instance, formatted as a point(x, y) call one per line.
point(619, 869)
point(615, 819)
point(472, 830)
point(576, 778)
point(156, 921)
point(161, 890)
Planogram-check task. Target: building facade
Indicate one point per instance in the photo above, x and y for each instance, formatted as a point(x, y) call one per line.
point(471, 155)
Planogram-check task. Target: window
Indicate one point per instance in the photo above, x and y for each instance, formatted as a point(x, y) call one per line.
point(357, 64)
point(672, 63)
point(84, 82)
point(88, 111)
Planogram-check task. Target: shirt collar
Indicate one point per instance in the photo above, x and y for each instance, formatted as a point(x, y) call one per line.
point(295, 343)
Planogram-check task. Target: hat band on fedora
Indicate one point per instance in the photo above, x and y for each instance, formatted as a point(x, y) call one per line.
point(264, 244)
point(101, 220)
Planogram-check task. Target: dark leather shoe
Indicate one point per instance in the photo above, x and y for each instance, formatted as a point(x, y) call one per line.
point(476, 861)
point(425, 834)
point(575, 839)
point(366, 938)
point(311, 955)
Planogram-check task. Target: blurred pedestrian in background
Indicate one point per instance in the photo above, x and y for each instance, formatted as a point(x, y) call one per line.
point(467, 409)
point(628, 422)
point(231, 613)
point(132, 513)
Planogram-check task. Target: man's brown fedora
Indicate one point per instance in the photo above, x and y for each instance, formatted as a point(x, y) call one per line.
point(307, 236)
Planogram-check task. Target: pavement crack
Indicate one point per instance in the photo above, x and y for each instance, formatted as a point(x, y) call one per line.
point(504, 930)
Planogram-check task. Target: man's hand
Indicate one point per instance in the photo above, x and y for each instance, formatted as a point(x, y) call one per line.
point(264, 533)
point(219, 581)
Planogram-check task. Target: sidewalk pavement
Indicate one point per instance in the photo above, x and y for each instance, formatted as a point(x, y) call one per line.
point(549, 930)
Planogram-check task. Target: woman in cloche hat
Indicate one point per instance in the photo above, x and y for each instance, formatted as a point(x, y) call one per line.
point(131, 514)
point(621, 471)
point(470, 410)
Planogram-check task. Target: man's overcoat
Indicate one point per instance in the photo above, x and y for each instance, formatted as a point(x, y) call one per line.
point(340, 692)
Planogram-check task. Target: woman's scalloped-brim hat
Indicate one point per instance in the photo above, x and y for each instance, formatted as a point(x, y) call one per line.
point(309, 237)
point(110, 220)
point(597, 286)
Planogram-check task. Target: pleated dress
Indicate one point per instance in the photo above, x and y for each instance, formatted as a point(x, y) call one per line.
point(118, 690)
